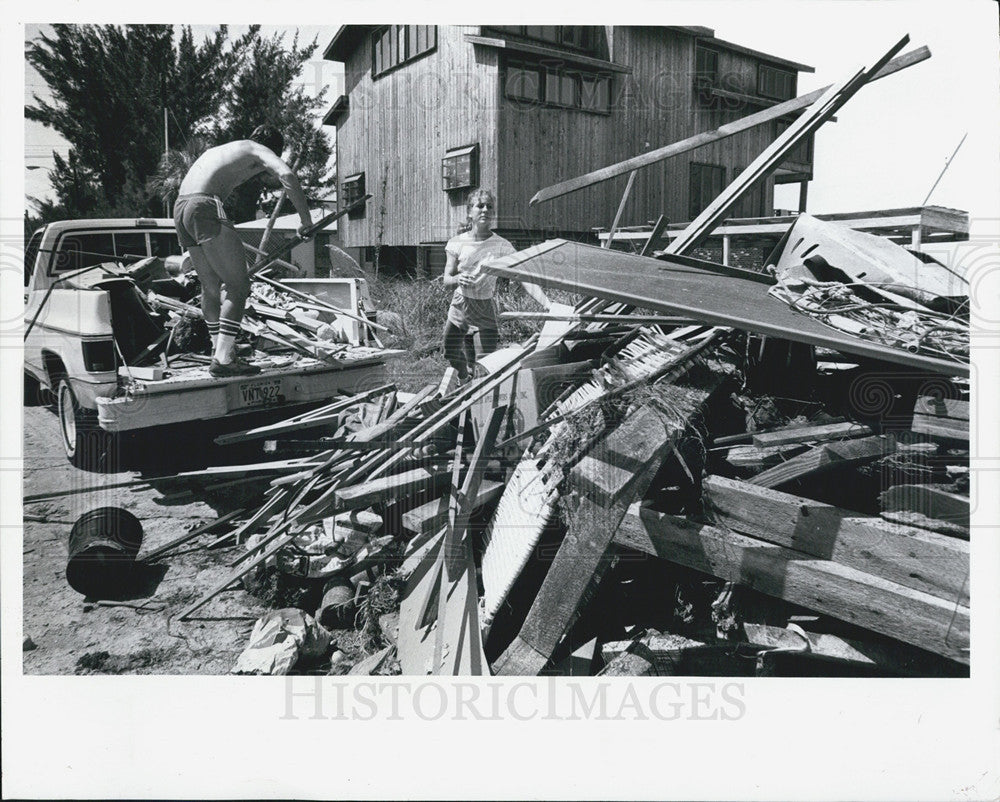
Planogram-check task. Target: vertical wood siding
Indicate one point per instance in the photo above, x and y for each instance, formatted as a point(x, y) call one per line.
point(399, 126)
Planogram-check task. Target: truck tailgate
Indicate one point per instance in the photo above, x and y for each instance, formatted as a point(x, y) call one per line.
point(190, 393)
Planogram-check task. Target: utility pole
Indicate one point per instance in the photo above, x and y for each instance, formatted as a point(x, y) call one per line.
point(947, 164)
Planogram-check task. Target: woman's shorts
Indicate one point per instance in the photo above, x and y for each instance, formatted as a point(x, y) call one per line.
point(479, 312)
point(198, 218)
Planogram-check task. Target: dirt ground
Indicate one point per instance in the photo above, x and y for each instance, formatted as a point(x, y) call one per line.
point(72, 634)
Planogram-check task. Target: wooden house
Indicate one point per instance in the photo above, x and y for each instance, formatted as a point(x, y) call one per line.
point(429, 112)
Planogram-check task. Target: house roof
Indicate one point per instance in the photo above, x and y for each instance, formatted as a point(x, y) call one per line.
point(345, 41)
point(348, 37)
point(707, 35)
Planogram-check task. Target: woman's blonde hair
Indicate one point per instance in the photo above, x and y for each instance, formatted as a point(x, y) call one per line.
point(473, 197)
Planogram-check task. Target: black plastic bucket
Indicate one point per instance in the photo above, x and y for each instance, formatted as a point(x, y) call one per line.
point(102, 548)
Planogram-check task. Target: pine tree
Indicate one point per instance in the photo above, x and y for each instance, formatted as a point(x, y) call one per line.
point(110, 85)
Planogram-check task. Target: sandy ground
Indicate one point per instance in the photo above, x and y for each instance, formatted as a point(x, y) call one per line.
point(69, 631)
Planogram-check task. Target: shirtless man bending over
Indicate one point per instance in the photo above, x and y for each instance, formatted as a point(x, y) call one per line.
point(212, 242)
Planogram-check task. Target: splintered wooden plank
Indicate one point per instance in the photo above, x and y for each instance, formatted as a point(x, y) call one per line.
point(615, 464)
point(390, 488)
point(431, 516)
point(582, 557)
point(845, 593)
point(415, 642)
point(458, 647)
point(926, 561)
point(810, 434)
point(579, 565)
point(826, 457)
point(581, 561)
point(200, 530)
point(943, 418)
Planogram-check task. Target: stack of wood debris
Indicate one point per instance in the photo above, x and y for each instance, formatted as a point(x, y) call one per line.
point(634, 509)
point(681, 474)
point(278, 318)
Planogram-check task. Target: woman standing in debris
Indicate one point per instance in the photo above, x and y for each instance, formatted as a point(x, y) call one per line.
point(473, 303)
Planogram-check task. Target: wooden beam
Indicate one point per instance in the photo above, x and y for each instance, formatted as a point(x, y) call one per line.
point(929, 501)
point(199, 530)
point(458, 645)
point(827, 457)
point(793, 106)
point(654, 236)
point(621, 209)
point(390, 488)
point(430, 517)
point(845, 593)
point(925, 561)
point(581, 559)
point(810, 434)
point(947, 419)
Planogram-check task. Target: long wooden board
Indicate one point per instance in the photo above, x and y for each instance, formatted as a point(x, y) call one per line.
point(775, 153)
point(926, 561)
point(826, 457)
point(793, 106)
point(848, 594)
point(582, 557)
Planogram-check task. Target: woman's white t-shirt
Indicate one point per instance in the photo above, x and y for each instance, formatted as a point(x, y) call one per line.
point(471, 254)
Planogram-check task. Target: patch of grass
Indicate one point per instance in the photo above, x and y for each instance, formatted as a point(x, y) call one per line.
point(422, 305)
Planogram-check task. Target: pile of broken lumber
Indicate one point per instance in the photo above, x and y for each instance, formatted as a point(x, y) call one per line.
point(702, 487)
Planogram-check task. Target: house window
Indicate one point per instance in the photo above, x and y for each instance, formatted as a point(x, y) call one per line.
point(554, 84)
point(802, 153)
point(706, 68)
point(707, 181)
point(393, 45)
point(774, 83)
point(595, 92)
point(352, 189)
point(524, 82)
point(460, 168)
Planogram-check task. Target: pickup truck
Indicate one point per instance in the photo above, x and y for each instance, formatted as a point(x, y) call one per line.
point(87, 322)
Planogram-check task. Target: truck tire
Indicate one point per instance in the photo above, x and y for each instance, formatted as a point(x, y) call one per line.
point(83, 440)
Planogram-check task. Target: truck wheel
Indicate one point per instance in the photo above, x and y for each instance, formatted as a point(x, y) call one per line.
point(82, 438)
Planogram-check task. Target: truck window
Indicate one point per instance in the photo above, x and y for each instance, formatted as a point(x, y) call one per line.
point(76, 251)
point(131, 243)
point(164, 244)
point(30, 254)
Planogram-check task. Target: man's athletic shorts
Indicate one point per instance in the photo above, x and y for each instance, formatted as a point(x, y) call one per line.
point(198, 218)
